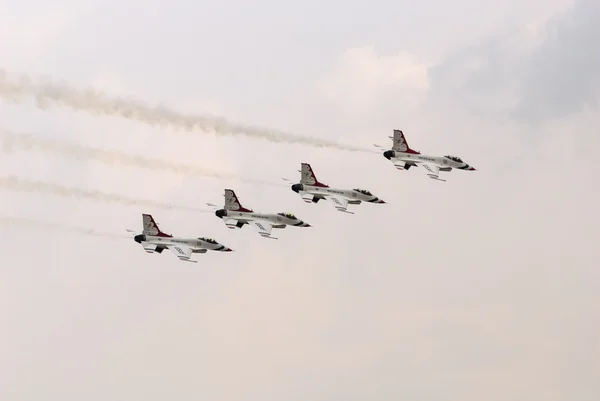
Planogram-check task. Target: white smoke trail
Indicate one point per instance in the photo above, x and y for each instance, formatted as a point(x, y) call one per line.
point(20, 221)
point(90, 100)
point(26, 142)
point(16, 184)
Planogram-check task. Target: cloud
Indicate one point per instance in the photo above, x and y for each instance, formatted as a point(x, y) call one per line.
point(563, 73)
point(362, 74)
point(365, 82)
point(528, 75)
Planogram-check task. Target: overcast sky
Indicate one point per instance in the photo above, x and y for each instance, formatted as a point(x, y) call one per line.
point(484, 287)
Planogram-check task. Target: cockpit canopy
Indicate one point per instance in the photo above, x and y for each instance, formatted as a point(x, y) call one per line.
point(209, 240)
point(454, 158)
point(363, 191)
point(288, 215)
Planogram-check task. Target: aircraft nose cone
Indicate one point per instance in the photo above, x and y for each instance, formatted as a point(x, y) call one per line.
point(228, 250)
point(307, 225)
point(381, 201)
point(472, 169)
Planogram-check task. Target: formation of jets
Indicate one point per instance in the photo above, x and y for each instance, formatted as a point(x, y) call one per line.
point(234, 215)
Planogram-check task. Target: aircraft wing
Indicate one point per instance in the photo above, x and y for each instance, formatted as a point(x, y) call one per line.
point(433, 171)
point(233, 223)
point(148, 247)
point(399, 164)
point(403, 165)
point(263, 228)
point(310, 198)
point(307, 197)
point(182, 252)
point(340, 203)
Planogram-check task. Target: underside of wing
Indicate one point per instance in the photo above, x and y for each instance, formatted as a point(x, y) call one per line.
point(310, 198)
point(433, 171)
point(340, 203)
point(234, 223)
point(403, 165)
point(263, 228)
point(152, 248)
point(182, 252)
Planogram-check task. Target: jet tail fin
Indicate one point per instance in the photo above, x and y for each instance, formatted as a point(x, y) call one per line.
point(151, 228)
point(399, 143)
point(233, 203)
point(308, 177)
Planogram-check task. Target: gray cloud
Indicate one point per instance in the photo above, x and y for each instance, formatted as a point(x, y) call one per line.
point(532, 76)
point(563, 73)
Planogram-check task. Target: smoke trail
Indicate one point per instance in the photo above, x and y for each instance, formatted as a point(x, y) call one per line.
point(90, 100)
point(11, 140)
point(16, 184)
point(5, 220)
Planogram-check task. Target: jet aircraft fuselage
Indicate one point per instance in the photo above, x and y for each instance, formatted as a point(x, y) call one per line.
point(236, 216)
point(197, 245)
point(445, 163)
point(154, 240)
point(312, 191)
point(403, 158)
point(279, 220)
point(354, 196)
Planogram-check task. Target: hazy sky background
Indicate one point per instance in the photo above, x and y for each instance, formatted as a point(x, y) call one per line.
point(484, 287)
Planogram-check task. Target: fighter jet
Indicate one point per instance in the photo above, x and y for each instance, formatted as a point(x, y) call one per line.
point(154, 240)
point(403, 158)
point(236, 216)
point(312, 191)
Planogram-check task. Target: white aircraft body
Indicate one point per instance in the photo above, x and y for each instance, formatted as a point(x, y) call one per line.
point(153, 240)
point(312, 191)
point(236, 216)
point(403, 158)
